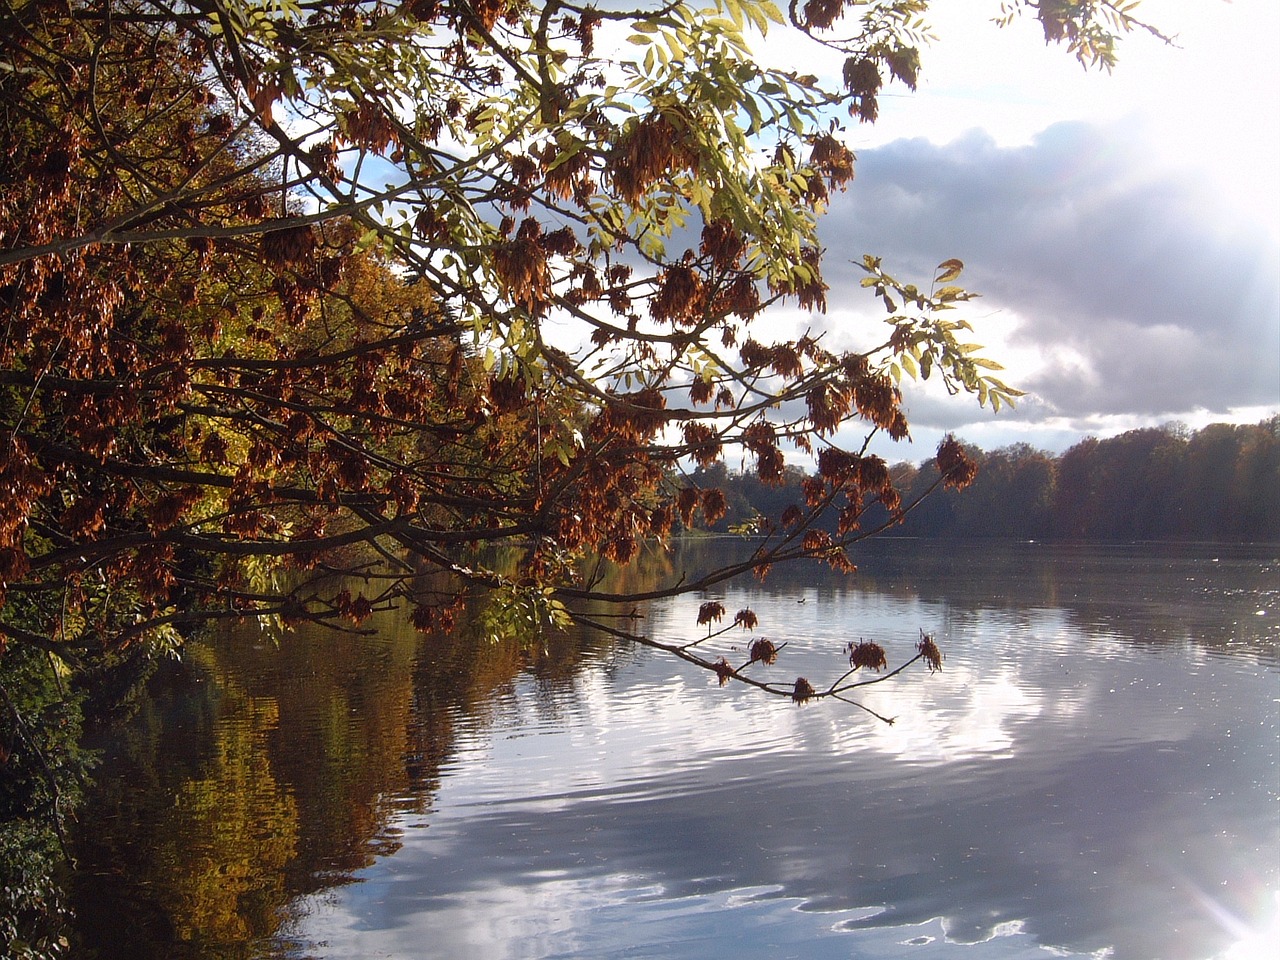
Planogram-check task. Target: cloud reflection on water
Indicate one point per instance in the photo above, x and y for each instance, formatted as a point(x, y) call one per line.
point(1055, 787)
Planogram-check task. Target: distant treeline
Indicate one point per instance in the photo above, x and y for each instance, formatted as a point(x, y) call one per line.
point(1167, 483)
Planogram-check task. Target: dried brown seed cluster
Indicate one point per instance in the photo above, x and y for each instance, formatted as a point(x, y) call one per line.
point(291, 245)
point(929, 651)
point(712, 610)
point(867, 654)
point(957, 468)
point(803, 691)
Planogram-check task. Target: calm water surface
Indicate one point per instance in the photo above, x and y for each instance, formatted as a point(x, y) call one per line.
point(1095, 772)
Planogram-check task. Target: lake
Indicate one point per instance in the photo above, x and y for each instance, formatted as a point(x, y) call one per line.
point(1095, 772)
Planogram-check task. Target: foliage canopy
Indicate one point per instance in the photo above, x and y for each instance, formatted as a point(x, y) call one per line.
point(295, 289)
point(300, 292)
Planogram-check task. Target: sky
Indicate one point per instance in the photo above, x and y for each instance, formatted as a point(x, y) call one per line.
point(1123, 229)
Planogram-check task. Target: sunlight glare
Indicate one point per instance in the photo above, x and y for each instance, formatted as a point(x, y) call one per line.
point(1260, 944)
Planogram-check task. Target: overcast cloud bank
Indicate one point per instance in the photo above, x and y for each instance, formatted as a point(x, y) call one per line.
point(1126, 291)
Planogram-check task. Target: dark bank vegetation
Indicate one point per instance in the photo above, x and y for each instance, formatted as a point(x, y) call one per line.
point(1220, 483)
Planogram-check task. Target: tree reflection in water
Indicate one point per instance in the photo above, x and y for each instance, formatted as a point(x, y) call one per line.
point(255, 776)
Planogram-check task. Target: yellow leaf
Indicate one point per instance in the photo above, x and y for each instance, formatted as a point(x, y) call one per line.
point(950, 270)
point(770, 10)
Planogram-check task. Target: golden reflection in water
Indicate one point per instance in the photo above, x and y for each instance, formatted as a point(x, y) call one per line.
point(223, 845)
point(292, 762)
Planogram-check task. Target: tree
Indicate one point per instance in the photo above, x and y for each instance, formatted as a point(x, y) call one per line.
point(1255, 486)
point(1011, 497)
point(1130, 487)
point(296, 289)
